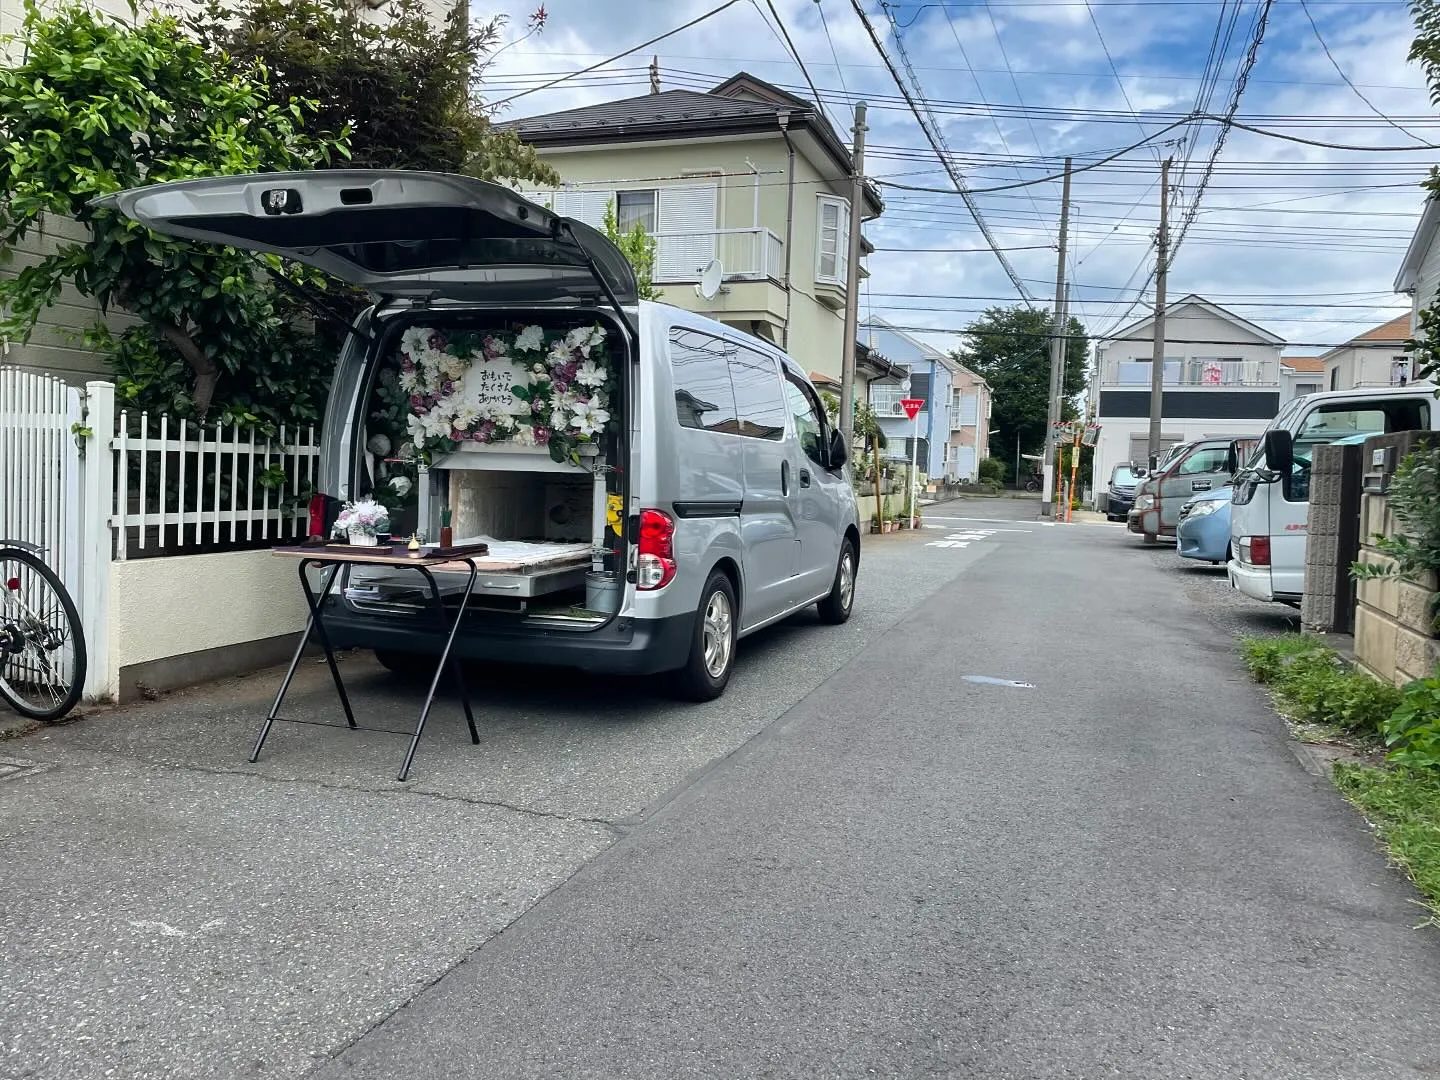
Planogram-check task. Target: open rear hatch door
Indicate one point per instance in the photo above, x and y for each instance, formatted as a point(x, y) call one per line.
point(394, 233)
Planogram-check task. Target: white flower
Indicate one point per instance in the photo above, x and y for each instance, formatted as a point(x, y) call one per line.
point(416, 342)
point(538, 369)
point(465, 414)
point(415, 427)
point(400, 485)
point(597, 335)
point(579, 338)
point(524, 435)
point(409, 381)
point(590, 418)
point(451, 366)
point(590, 374)
point(530, 339)
point(559, 417)
point(378, 444)
point(559, 354)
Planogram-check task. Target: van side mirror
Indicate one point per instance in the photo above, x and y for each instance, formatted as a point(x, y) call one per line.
point(839, 452)
point(1279, 452)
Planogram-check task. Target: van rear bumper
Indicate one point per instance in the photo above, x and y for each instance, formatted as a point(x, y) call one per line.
point(625, 647)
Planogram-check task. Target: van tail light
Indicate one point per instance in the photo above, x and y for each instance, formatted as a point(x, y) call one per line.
point(1255, 550)
point(655, 561)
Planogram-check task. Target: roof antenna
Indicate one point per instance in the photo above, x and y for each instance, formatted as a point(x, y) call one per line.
point(654, 74)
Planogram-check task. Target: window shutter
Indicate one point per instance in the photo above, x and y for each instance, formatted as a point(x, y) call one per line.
point(686, 223)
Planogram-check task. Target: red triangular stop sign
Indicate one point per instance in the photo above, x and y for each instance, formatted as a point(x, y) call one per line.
point(912, 405)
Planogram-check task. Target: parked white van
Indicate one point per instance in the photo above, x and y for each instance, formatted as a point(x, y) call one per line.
point(653, 485)
point(1269, 514)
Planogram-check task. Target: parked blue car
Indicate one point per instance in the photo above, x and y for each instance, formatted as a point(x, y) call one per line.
point(1204, 529)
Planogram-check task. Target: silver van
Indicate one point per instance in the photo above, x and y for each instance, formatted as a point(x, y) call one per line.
point(652, 484)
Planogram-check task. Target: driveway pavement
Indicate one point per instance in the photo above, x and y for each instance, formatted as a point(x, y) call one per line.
point(1023, 816)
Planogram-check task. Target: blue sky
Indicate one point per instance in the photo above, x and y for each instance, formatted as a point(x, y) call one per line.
point(1303, 240)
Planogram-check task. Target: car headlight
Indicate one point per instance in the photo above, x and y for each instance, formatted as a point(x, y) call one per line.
point(1200, 509)
point(1144, 502)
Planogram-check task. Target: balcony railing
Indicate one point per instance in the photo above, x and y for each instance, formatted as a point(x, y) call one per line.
point(744, 254)
point(1195, 371)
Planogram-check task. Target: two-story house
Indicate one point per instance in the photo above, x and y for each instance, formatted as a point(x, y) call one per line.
point(955, 419)
point(747, 182)
point(1222, 377)
point(1300, 375)
point(1377, 357)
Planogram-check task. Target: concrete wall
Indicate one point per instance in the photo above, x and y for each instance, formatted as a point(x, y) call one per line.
point(1332, 539)
point(1394, 629)
point(182, 619)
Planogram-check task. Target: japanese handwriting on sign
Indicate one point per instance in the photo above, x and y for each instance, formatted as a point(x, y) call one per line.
point(489, 383)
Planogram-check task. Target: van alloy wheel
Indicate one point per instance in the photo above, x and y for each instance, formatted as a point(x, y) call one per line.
point(835, 607)
point(719, 634)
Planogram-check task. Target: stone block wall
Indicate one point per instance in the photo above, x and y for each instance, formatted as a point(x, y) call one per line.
point(1394, 628)
point(1332, 542)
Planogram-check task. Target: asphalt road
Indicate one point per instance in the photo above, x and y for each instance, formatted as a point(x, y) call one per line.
point(1100, 860)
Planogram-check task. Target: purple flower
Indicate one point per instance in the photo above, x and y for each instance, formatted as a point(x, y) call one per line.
point(542, 435)
point(447, 387)
point(406, 364)
point(436, 341)
point(457, 434)
point(417, 401)
point(537, 407)
point(492, 347)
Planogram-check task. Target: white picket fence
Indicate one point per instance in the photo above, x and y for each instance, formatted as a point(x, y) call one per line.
point(90, 485)
point(40, 485)
point(187, 486)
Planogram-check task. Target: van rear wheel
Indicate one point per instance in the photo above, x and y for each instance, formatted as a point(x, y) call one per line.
point(712, 644)
point(835, 608)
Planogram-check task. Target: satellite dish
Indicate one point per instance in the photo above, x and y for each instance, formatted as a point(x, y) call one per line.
point(711, 275)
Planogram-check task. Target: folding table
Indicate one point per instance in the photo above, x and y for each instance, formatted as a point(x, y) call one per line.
point(339, 556)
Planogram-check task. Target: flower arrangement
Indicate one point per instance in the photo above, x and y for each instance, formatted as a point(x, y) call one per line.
point(557, 394)
point(361, 521)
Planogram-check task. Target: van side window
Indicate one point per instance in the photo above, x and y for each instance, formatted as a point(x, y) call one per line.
point(700, 370)
point(759, 403)
point(809, 419)
point(1213, 459)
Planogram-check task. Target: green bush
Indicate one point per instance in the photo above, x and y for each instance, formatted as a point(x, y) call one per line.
point(992, 470)
point(1413, 730)
point(1314, 687)
point(1404, 806)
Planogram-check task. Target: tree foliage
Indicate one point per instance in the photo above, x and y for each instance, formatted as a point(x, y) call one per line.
point(638, 247)
point(1010, 348)
point(1425, 50)
point(406, 87)
point(94, 105)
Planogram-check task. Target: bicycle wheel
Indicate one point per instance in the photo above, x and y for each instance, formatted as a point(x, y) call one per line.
point(42, 646)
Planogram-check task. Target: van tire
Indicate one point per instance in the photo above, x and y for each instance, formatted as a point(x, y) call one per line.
point(717, 611)
point(407, 665)
point(835, 608)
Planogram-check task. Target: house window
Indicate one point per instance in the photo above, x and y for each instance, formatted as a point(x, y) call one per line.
point(832, 243)
point(1399, 370)
point(635, 208)
point(1335, 378)
point(1304, 388)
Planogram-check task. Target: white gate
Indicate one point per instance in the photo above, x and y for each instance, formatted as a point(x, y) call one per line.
point(40, 503)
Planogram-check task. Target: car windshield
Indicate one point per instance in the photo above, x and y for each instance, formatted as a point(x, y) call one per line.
point(1124, 475)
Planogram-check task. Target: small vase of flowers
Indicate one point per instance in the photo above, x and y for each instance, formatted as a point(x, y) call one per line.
point(361, 522)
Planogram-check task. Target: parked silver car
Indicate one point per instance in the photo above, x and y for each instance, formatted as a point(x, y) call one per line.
point(701, 493)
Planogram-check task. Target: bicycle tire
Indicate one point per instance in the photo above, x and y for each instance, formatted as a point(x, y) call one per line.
point(76, 637)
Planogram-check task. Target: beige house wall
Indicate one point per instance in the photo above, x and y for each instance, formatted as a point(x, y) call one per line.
point(816, 332)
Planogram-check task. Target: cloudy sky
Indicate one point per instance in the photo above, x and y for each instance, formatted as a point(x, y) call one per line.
point(1304, 240)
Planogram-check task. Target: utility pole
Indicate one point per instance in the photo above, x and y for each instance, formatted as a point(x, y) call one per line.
point(1157, 357)
point(654, 74)
point(852, 280)
point(1057, 353)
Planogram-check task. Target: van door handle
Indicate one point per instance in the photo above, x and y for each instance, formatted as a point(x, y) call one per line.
point(804, 478)
point(784, 478)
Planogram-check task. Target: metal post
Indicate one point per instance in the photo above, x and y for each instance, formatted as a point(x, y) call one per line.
point(1157, 355)
point(1057, 352)
point(914, 450)
point(852, 279)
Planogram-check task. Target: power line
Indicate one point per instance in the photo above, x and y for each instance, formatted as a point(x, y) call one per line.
point(1341, 72)
point(619, 56)
point(794, 52)
point(834, 55)
point(936, 145)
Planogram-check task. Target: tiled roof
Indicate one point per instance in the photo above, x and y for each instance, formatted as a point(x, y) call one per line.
point(646, 111)
point(1305, 364)
point(1397, 329)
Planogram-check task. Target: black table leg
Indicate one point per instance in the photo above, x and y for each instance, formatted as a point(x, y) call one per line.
point(312, 625)
point(442, 664)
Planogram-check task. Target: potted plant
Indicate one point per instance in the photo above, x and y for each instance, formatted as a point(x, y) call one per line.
point(361, 522)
